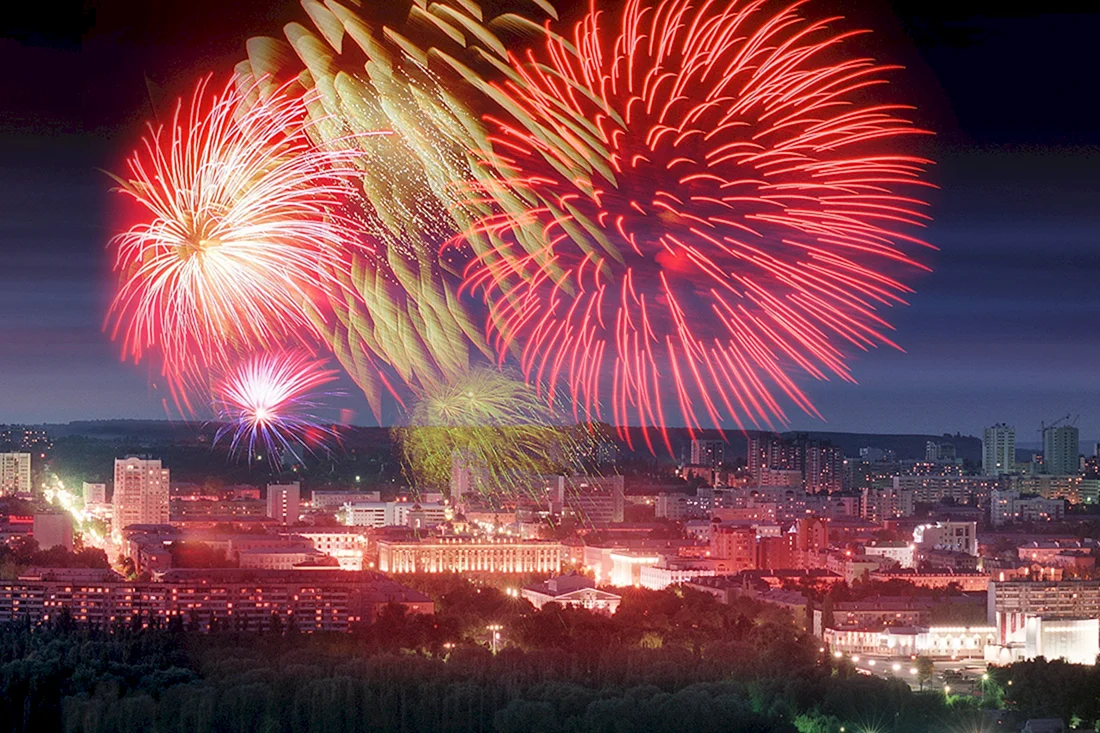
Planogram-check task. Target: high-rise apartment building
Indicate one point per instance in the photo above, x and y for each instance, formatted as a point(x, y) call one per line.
point(468, 477)
point(283, 501)
point(822, 468)
point(1061, 450)
point(770, 451)
point(709, 453)
point(999, 450)
point(141, 492)
point(939, 452)
point(15, 473)
point(820, 463)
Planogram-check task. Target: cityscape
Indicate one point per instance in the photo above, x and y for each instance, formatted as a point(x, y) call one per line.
point(509, 366)
point(955, 568)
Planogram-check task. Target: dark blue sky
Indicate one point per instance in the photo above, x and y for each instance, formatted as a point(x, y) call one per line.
point(1005, 329)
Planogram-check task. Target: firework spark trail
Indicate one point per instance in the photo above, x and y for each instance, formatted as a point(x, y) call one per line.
point(492, 424)
point(406, 324)
point(269, 401)
point(246, 232)
point(720, 204)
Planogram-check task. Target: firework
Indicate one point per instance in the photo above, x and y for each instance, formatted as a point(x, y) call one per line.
point(400, 314)
point(245, 230)
point(492, 425)
point(269, 402)
point(718, 203)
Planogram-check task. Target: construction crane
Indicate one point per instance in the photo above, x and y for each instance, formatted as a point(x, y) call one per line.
point(1069, 419)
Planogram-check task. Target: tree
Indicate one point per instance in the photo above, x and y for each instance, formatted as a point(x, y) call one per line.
point(926, 669)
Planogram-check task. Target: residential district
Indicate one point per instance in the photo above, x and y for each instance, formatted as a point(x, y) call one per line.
point(885, 559)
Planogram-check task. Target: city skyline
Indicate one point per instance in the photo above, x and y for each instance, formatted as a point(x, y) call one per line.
point(998, 332)
point(549, 365)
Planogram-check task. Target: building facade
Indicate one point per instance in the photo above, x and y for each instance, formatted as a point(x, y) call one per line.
point(887, 502)
point(1073, 488)
point(736, 545)
point(709, 453)
point(952, 536)
point(999, 450)
point(1061, 450)
point(334, 500)
point(94, 493)
point(15, 473)
point(283, 502)
point(572, 590)
point(1007, 506)
point(469, 555)
point(329, 600)
point(141, 492)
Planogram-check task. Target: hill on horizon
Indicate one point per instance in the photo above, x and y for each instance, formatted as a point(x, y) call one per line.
point(907, 446)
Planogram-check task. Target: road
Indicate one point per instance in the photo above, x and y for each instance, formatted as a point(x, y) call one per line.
point(964, 675)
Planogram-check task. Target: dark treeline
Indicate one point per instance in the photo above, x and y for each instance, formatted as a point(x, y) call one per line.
point(23, 552)
point(667, 662)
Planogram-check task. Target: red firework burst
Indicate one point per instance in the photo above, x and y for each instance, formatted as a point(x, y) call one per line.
point(244, 232)
point(719, 198)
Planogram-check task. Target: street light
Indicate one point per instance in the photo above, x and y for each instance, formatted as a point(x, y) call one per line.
point(896, 667)
point(947, 689)
point(838, 655)
point(912, 670)
point(871, 663)
point(494, 639)
point(855, 657)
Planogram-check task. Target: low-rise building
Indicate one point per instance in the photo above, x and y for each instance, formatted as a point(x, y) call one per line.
point(954, 536)
point(934, 578)
point(904, 641)
point(347, 544)
point(572, 590)
point(852, 567)
point(469, 555)
point(903, 553)
point(959, 562)
point(425, 515)
point(333, 500)
point(283, 558)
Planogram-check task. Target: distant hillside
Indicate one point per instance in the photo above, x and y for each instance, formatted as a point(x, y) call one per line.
point(907, 447)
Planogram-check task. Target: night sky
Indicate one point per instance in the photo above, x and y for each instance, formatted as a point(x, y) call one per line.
point(1004, 329)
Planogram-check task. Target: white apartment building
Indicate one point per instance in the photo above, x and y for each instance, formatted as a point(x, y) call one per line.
point(1007, 506)
point(951, 536)
point(141, 492)
point(999, 450)
point(15, 473)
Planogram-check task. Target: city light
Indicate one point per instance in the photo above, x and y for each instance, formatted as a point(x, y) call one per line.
point(494, 636)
